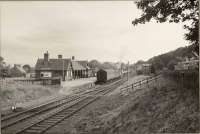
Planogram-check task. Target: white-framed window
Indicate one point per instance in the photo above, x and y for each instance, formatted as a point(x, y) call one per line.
point(46, 74)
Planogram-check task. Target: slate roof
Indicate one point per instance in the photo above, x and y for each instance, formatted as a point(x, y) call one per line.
point(20, 69)
point(84, 63)
point(110, 70)
point(53, 64)
point(77, 66)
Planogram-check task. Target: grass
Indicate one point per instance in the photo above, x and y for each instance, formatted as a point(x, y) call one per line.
point(15, 92)
point(161, 109)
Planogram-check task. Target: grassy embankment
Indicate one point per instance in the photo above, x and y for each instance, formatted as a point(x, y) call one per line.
point(167, 108)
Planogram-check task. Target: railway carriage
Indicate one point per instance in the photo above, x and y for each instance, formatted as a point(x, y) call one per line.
point(105, 75)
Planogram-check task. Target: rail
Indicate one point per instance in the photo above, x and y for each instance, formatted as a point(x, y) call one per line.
point(26, 119)
point(140, 83)
point(48, 121)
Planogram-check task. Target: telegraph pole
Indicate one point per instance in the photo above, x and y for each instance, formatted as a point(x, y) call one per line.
point(0, 46)
point(63, 70)
point(127, 70)
point(0, 36)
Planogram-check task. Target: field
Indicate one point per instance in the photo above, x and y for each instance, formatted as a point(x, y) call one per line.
point(26, 94)
point(13, 93)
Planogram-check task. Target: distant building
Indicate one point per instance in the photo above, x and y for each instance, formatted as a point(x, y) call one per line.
point(64, 68)
point(78, 70)
point(49, 68)
point(188, 64)
point(81, 69)
point(144, 68)
point(31, 73)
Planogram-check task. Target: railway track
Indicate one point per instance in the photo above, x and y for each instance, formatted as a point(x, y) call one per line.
point(41, 108)
point(51, 114)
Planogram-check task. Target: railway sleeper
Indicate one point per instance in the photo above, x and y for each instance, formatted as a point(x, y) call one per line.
point(67, 113)
point(76, 100)
point(37, 128)
point(69, 110)
point(49, 122)
point(54, 119)
point(44, 124)
point(32, 131)
point(59, 116)
point(41, 125)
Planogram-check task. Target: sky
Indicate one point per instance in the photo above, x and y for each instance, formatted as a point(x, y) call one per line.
point(100, 30)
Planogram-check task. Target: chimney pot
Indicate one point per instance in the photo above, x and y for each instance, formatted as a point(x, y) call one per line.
point(46, 57)
point(59, 56)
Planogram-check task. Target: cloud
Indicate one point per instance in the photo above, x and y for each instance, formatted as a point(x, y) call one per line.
point(99, 30)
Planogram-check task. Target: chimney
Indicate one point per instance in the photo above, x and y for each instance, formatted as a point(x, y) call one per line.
point(59, 56)
point(46, 57)
point(73, 58)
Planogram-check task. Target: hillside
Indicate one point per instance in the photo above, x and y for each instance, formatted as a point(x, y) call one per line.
point(169, 59)
point(106, 65)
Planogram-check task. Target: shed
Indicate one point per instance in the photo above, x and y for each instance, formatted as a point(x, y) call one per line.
point(103, 75)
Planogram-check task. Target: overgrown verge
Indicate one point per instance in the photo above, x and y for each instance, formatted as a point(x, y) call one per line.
point(164, 109)
point(15, 92)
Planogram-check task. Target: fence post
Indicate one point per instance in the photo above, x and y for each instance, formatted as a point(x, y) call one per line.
point(155, 81)
point(182, 78)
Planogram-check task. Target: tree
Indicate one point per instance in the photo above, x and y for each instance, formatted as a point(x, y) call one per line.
point(172, 11)
point(140, 62)
point(1, 59)
point(1, 62)
point(27, 68)
point(171, 65)
point(94, 63)
point(153, 69)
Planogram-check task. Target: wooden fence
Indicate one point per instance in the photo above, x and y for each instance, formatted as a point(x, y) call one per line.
point(184, 78)
point(7, 83)
point(146, 82)
point(44, 81)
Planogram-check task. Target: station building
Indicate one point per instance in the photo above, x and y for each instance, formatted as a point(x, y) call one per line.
point(48, 68)
point(66, 69)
